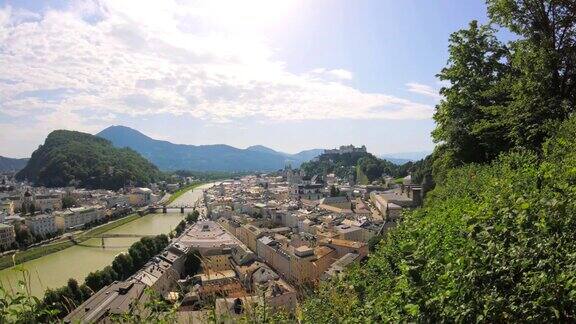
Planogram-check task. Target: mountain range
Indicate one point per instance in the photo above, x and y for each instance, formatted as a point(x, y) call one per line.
point(405, 157)
point(11, 164)
point(219, 157)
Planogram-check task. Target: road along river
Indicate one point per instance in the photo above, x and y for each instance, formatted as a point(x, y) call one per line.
point(54, 270)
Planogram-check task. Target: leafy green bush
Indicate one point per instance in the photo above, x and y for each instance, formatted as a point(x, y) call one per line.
point(494, 243)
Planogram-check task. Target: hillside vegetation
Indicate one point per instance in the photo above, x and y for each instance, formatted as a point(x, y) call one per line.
point(494, 243)
point(363, 167)
point(496, 240)
point(86, 160)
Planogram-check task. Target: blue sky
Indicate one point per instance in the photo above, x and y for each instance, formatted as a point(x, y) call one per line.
point(290, 75)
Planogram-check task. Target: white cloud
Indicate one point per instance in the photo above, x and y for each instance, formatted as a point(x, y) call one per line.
point(423, 89)
point(335, 74)
point(144, 58)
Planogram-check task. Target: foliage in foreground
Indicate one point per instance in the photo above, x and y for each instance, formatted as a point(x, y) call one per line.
point(494, 243)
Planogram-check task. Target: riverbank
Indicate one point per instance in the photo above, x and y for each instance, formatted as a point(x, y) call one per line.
point(8, 261)
point(54, 270)
point(182, 191)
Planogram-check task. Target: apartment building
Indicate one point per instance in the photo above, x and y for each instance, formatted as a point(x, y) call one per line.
point(7, 236)
point(42, 225)
point(76, 217)
point(140, 197)
point(49, 202)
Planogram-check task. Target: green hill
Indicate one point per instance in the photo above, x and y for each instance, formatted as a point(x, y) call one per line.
point(86, 160)
point(364, 167)
point(495, 241)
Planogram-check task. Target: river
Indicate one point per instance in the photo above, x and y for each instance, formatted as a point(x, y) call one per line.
point(54, 270)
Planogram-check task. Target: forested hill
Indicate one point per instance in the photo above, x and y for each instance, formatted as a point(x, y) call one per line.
point(363, 167)
point(69, 157)
point(495, 240)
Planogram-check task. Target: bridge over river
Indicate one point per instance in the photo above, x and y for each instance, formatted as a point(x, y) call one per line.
point(105, 236)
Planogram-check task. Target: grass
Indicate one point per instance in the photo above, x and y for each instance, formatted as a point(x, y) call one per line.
point(182, 190)
point(361, 178)
point(399, 181)
point(34, 253)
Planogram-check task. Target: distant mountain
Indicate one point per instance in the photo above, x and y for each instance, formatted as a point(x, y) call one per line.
point(88, 161)
point(11, 164)
point(308, 155)
point(404, 157)
point(262, 148)
point(396, 161)
point(170, 156)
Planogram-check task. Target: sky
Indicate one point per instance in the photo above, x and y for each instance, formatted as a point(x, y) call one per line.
point(287, 74)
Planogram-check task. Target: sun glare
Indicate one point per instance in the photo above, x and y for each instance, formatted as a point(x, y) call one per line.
point(249, 14)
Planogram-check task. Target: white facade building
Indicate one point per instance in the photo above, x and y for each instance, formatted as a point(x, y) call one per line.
point(42, 224)
point(75, 217)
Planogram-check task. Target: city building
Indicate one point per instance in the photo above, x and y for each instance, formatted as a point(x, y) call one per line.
point(7, 236)
point(77, 217)
point(391, 203)
point(42, 225)
point(48, 202)
point(343, 247)
point(310, 191)
point(339, 265)
point(140, 197)
point(347, 149)
point(7, 207)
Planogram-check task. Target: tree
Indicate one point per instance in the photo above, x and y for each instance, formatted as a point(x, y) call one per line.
point(68, 201)
point(469, 118)
point(543, 61)
point(23, 235)
point(139, 254)
point(334, 192)
point(161, 242)
point(101, 278)
point(123, 265)
point(192, 217)
point(421, 172)
point(180, 227)
point(373, 242)
point(150, 246)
